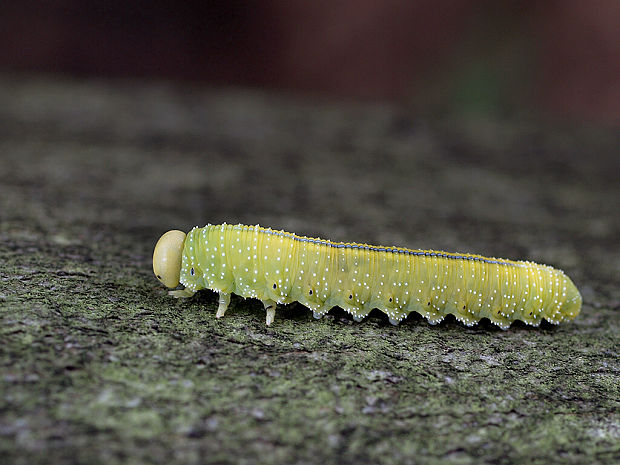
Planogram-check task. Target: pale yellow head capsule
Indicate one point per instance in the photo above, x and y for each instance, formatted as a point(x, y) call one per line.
point(167, 257)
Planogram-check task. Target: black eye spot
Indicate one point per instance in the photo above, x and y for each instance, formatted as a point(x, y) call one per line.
point(429, 304)
point(350, 296)
point(499, 311)
point(274, 285)
point(390, 299)
point(310, 292)
point(159, 277)
point(530, 313)
point(191, 272)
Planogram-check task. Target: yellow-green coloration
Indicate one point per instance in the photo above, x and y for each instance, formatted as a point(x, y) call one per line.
point(279, 267)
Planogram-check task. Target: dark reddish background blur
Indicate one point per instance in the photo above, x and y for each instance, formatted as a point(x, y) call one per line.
point(560, 58)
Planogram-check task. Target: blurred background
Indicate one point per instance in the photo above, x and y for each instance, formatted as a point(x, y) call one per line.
point(556, 58)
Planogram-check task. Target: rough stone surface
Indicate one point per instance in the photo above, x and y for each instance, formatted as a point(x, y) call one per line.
point(99, 365)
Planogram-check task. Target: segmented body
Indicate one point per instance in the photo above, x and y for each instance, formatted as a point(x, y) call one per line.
point(278, 266)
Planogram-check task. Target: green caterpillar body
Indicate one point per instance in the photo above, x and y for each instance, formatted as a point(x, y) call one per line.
point(281, 267)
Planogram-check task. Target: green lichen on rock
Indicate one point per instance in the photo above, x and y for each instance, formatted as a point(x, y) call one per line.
point(99, 365)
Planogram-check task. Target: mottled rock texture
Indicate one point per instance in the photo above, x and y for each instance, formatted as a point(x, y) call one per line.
point(99, 365)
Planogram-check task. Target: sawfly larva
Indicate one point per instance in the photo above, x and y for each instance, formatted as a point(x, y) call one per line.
point(278, 267)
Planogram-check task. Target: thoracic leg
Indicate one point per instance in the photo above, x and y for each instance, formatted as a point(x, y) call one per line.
point(223, 304)
point(181, 293)
point(270, 307)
